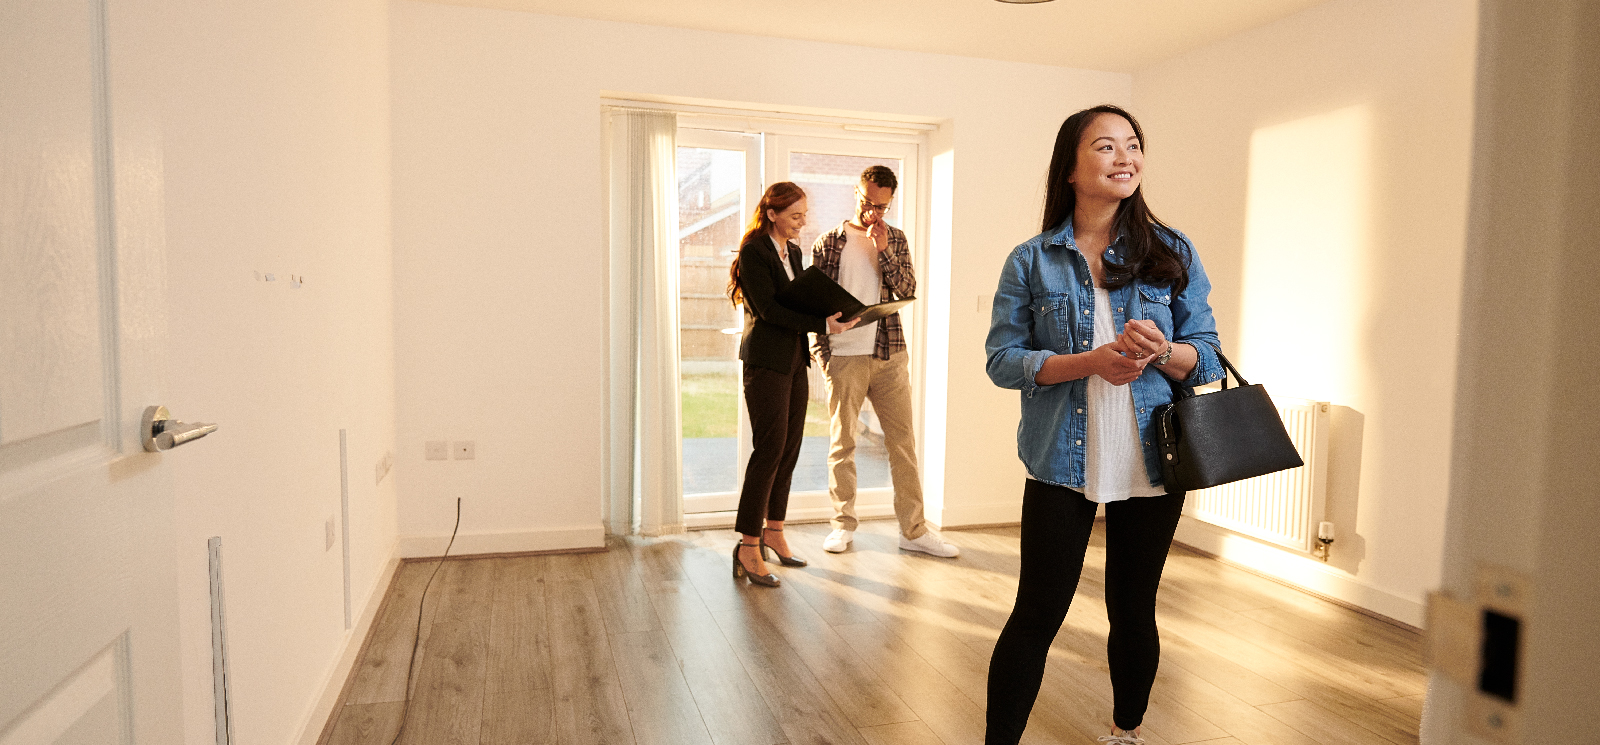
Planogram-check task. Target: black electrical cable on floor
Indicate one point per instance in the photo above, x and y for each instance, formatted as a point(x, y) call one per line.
point(415, 641)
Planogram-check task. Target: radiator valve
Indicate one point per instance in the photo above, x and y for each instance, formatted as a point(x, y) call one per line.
point(1324, 540)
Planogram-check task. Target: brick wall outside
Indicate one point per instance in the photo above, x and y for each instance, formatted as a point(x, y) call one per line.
point(829, 182)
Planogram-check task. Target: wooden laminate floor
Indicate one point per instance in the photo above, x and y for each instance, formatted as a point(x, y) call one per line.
point(652, 642)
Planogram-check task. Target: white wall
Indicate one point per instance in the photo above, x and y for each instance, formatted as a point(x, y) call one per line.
point(277, 160)
point(1359, 115)
point(499, 253)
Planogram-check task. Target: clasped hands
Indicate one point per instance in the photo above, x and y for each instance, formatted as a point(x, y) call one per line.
point(1123, 360)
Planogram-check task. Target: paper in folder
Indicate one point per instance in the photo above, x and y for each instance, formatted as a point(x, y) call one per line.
point(816, 294)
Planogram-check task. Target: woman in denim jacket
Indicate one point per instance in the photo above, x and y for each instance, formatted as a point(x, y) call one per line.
point(1092, 319)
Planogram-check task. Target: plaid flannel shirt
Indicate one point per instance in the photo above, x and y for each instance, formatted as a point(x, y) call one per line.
point(897, 281)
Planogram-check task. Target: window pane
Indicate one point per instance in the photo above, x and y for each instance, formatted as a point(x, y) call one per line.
point(710, 215)
point(830, 185)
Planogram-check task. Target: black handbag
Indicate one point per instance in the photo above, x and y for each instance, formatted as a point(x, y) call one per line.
point(1221, 437)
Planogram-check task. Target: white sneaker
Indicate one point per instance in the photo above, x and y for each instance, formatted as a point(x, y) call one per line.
point(838, 541)
point(930, 543)
point(1126, 738)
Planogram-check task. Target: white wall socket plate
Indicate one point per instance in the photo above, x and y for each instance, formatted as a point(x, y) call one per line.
point(464, 449)
point(436, 450)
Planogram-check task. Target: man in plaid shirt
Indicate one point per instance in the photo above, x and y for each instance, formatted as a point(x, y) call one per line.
point(871, 259)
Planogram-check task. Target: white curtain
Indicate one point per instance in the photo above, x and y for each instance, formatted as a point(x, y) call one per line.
point(643, 479)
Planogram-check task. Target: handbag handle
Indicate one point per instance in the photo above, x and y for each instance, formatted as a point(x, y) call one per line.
point(1185, 391)
point(1229, 367)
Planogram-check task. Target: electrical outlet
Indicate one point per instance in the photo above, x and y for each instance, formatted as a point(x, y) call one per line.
point(328, 534)
point(437, 450)
point(464, 449)
point(384, 464)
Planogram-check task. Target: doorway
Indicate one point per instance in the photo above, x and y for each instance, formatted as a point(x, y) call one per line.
point(721, 176)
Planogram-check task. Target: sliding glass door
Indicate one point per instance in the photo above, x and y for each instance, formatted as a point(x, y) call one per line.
point(721, 176)
point(719, 183)
point(828, 168)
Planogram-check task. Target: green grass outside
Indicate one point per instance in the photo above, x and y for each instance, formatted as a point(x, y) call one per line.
point(711, 408)
point(816, 419)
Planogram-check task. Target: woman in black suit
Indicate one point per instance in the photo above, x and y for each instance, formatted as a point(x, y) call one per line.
point(774, 351)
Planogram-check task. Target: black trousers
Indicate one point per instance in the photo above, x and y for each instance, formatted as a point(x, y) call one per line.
point(777, 406)
point(1055, 535)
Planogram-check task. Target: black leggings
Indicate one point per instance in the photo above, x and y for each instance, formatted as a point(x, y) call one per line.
point(1055, 534)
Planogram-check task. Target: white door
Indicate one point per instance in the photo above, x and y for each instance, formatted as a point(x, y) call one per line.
point(88, 630)
point(719, 184)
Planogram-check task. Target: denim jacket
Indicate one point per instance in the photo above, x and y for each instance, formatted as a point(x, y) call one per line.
point(1044, 306)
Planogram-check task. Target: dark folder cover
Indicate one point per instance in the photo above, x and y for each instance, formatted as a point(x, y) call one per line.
point(816, 294)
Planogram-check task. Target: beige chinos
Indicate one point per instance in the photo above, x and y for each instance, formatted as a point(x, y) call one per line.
point(887, 384)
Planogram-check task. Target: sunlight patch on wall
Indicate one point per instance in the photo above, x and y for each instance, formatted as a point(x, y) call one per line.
point(1306, 255)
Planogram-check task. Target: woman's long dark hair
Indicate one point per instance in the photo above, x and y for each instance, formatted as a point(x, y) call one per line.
point(1148, 258)
point(778, 197)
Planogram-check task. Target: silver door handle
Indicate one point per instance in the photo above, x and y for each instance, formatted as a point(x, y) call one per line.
point(162, 432)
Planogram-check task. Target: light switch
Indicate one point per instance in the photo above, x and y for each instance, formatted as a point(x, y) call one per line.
point(464, 449)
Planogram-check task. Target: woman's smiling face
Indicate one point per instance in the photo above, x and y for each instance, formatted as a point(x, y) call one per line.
point(1110, 160)
point(787, 224)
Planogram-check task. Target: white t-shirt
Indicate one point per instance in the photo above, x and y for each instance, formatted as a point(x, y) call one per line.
point(1114, 464)
point(783, 257)
point(858, 273)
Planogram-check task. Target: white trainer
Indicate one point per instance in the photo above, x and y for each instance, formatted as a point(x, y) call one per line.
point(1126, 738)
point(1123, 737)
point(838, 541)
point(930, 543)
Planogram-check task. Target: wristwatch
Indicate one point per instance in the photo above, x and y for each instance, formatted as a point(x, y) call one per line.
point(1164, 357)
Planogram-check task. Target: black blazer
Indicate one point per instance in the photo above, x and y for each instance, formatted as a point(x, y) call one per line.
point(772, 332)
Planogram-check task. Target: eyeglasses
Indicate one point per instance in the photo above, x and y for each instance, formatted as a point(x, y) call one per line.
point(880, 208)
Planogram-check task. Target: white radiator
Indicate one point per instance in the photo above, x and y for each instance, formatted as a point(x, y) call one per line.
point(1281, 508)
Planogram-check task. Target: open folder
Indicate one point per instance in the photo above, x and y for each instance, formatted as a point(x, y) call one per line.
point(814, 293)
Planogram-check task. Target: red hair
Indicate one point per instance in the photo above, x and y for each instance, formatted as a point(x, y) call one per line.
point(778, 197)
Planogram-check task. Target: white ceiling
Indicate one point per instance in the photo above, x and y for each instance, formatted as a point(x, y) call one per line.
point(1112, 35)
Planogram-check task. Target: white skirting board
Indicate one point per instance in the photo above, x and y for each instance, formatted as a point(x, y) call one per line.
point(554, 539)
point(333, 682)
point(954, 517)
point(1298, 570)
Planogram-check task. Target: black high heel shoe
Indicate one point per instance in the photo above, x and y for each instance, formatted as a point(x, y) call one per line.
point(755, 579)
point(788, 561)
